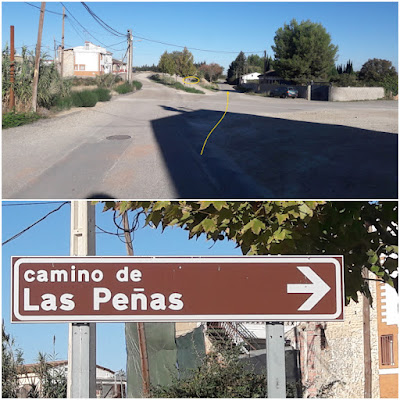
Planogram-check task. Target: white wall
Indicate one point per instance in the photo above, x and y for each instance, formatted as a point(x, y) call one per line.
point(356, 93)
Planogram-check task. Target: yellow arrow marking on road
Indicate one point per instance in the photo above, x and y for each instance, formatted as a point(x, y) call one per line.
point(227, 103)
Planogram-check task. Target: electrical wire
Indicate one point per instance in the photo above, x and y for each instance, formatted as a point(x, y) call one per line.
point(49, 11)
point(85, 30)
point(194, 48)
point(103, 24)
point(35, 223)
point(31, 204)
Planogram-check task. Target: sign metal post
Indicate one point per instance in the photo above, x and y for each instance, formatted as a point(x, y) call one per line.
point(82, 336)
point(275, 357)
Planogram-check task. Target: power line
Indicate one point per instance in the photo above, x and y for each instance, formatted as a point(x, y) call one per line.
point(85, 30)
point(194, 48)
point(52, 12)
point(35, 223)
point(104, 25)
point(32, 204)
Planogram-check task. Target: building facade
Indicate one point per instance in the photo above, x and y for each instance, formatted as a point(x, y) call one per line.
point(388, 335)
point(88, 60)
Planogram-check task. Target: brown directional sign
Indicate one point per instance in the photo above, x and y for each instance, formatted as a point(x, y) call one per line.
point(122, 289)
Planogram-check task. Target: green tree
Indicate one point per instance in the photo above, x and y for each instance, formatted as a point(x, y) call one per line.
point(184, 63)
point(304, 52)
point(166, 64)
point(11, 363)
point(255, 63)
point(376, 70)
point(237, 68)
point(361, 231)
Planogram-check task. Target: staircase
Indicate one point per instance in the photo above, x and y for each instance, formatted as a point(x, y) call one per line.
point(234, 334)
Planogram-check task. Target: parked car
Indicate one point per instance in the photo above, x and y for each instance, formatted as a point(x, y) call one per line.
point(284, 91)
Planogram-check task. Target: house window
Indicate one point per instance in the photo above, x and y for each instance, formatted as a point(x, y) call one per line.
point(387, 356)
point(81, 67)
point(76, 67)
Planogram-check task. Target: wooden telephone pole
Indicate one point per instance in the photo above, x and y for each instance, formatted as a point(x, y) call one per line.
point(12, 98)
point(144, 361)
point(129, 61)
point(37, 57)
point(62, 45)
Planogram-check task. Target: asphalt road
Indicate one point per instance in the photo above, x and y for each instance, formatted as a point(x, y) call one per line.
point(146, 145)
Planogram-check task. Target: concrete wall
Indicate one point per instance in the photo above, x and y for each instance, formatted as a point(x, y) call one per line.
point(356, 93)
point(68, 63)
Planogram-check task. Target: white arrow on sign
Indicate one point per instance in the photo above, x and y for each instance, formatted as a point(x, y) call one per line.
point(318, 288)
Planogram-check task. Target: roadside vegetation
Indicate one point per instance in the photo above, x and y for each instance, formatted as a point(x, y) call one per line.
point(11, 119)
point(181, 63)
point(304, 53)
point(54, 93)
point(169, 81)
point(51, 383)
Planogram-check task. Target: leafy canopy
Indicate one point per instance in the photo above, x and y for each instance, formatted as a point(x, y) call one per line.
point(360, 231)
point(304, 52)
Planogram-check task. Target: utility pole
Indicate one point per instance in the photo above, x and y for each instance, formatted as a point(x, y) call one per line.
point(62, 45)
point(37, 57)
point(275, 353)
point(144, 360)
point(265, 61)
point(82, 336)
point(129, 61)
point(12, 98)
point(367, 341)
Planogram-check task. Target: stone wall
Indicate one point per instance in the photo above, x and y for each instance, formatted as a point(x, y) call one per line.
point(332, 354)
point(356, 93)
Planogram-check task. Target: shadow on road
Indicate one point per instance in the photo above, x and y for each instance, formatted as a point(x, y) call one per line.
point(251, 157)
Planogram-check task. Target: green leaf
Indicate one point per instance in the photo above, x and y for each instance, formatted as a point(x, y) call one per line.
point(257, 226)
point(208, 225)
point(160, 204)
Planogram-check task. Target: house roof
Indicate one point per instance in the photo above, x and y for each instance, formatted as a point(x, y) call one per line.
point(30, 368)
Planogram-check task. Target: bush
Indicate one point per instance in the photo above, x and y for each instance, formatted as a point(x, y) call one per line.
point(103, 94)
point(221, 375)
point(168, 81)
point(138, 85)
point(64, 103)
point(86, 98)
point(77, 81)
point(12, 119)
point(124, 88)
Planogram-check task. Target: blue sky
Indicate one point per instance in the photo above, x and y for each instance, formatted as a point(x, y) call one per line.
point(51, 238)
point(362, 30)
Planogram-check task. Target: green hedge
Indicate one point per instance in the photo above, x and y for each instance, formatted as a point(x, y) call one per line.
point(12, 119)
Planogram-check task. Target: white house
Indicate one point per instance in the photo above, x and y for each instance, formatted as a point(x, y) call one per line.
point(87, 60)
point(249, 77)
point(108, 383)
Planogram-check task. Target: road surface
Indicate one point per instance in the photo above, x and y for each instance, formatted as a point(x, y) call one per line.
point(146, 145)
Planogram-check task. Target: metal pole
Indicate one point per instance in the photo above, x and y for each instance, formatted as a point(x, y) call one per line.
point(37, 58)
point(275, 354)
point(82, 336)
point(62, 45)
point(12, 98)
